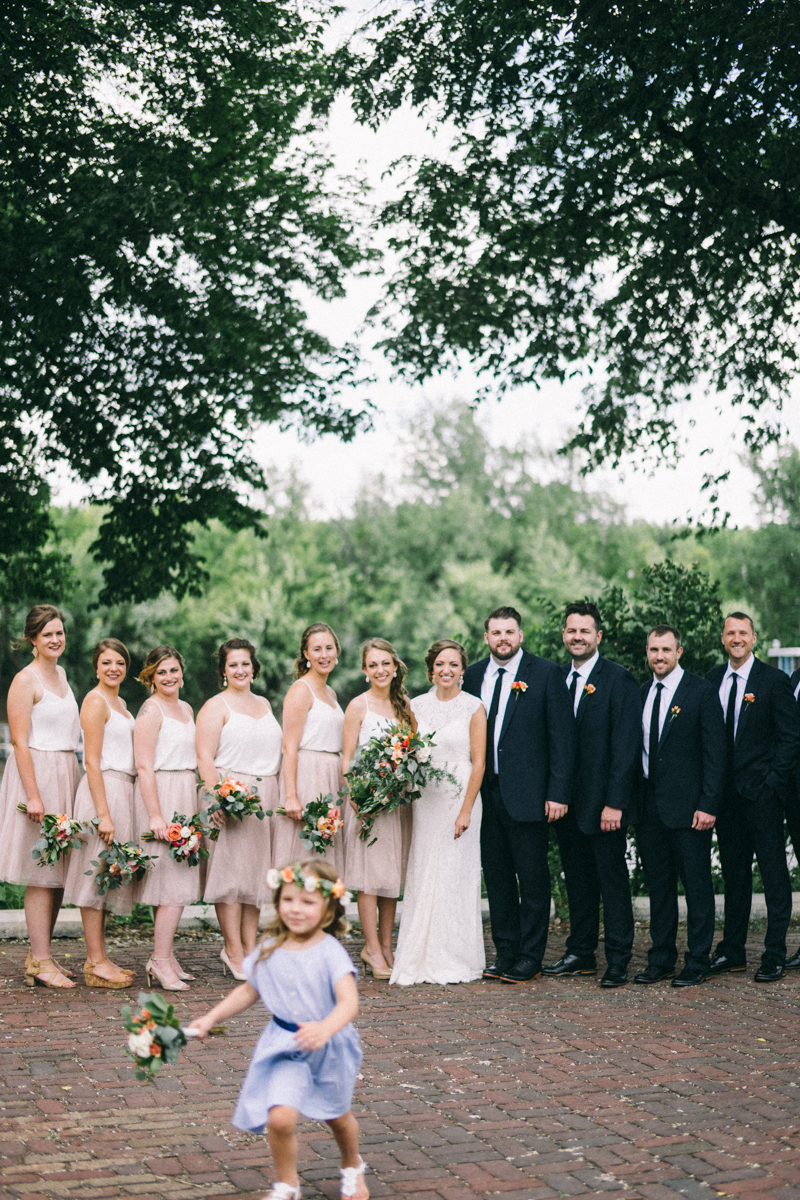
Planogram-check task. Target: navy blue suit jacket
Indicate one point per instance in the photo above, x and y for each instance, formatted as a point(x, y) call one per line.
point(608, 761)
point(536, 751)
point(767, 741)
point(689, 772)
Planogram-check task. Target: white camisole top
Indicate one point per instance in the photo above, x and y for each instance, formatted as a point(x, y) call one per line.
point(251, 745)
point(117, 751)
point(324, 727)
point(373, 725)
point(175, 749)
point(55, 720)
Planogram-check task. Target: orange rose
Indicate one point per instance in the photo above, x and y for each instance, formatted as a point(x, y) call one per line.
point(333, 813)
point(155, 1050)
point(337, 890)
point(287, 875)
point(174, 831)
point(144, 1015)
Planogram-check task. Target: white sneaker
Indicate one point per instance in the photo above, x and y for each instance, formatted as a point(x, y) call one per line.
point(283, 1191)
point(350, 1177)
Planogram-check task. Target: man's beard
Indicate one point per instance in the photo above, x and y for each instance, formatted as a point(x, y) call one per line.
point(504, 655)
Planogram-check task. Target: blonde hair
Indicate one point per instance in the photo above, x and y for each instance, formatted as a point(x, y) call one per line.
point(333, 918)
point(398, 696)
point(301, 667)
point(151, 664)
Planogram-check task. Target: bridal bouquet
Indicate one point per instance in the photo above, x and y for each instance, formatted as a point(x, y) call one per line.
point(119, 864)
point(321, 821)
point(235, 800)
point(60, 834)
point(389, 770)
point(184, 835)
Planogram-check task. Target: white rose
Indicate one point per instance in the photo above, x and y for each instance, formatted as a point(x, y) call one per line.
point(423, 754)
point(273, 878)
point(310, 884)
point(140, 1043)
point(193, 842)
point(186, 832)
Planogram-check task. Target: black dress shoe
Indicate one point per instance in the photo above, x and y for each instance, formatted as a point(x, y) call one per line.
point(572, 964)
point(770, 971)
point(690, 976)
point(721, 964)
point(496, 970)
point(523, 970)
point(793, 963)
point(654, 974)
point(614, 977)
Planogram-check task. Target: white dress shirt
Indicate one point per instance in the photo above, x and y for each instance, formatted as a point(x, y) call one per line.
point(583, 672)
point(725, 689)
point(797, 689)
point(670, 683)
point(487, 691)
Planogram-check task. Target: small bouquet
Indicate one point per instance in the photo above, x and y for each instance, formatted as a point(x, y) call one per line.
point(321, 821)
point(389, 770)
point(235, 800)
point(119, 864)
point(155, 1034)
point(184, 835)
point(60, 834)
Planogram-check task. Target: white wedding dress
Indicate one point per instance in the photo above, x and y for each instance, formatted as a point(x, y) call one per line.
point(441, 932)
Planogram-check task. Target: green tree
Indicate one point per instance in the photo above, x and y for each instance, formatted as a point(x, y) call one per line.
point(164, 212)
point(620, 192)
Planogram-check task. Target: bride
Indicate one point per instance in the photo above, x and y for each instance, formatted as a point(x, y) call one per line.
point(441, 931)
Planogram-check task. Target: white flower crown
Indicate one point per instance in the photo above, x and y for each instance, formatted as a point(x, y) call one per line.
point(309, 883)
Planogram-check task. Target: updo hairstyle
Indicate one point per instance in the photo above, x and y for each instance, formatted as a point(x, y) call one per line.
point(39, 616)
point(151, 664)
point(398, 696)
point(222, 658)
point(301, 663)
point(437, 648)
point(111, 644)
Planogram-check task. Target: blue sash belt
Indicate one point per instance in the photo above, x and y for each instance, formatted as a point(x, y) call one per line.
point(290, 1025)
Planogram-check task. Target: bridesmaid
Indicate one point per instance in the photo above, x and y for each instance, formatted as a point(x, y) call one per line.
point(43, 773)
point(238, 734)
point(376, 872)
point(312, 746)
point(105, 792)
point(166, 766)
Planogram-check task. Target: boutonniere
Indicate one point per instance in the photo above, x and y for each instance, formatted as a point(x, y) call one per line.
point(589, 689)
point(673, 712)
point(749, 698)
point(519, 685)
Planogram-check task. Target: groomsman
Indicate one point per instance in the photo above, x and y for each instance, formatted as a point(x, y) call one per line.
point(763, 740)
point(592, 837)
point(683, 767)
point(792, 813)
point(530, 752)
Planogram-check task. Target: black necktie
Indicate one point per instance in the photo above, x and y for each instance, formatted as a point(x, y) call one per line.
point(573, 687)
point(730, 715)
point(655, 718)
point(490, 724)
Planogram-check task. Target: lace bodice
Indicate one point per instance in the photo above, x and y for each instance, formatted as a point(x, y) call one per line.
point(448, 721)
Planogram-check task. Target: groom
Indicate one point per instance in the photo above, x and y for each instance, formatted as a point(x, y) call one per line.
point(530, 753)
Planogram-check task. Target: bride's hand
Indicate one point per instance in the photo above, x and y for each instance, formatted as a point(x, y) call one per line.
point(462, 823)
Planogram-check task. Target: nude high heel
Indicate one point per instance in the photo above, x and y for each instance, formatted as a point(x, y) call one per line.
point(152, 969)
point(34, 968)
point(226, 962)
point(377, 973)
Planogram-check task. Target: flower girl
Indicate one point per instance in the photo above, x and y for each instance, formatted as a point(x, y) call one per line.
point(307, 1059)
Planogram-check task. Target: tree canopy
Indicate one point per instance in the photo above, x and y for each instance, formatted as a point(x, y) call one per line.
point(164, 216)
point(621, 191)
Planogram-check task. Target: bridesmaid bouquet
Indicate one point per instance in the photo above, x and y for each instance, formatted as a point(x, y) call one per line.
point(321, 821)
point(389, 770)
point(184, 835)
point(60, 834)
point(124, 864)
point(235, 800)
point(155, 1034)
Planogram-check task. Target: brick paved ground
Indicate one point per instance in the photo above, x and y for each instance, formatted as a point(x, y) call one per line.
point(554, 1089)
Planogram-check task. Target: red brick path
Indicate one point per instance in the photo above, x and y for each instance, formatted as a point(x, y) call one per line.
point(554, 1089)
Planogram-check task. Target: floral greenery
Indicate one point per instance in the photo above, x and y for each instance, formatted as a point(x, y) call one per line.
point(60, 834)
point(389, 770)
point(321, 821)
point(235, 800)
point(185, 836)
point(119, 864)
point(155, 1035)
point(306, 883)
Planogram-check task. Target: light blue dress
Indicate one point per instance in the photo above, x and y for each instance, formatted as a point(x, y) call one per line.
point(297, 986)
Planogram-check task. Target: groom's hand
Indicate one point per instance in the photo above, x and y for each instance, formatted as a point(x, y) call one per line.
point(553, 811)
point(610, 819)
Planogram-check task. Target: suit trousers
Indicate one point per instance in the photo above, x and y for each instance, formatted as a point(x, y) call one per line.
point(595, 866)
point(517, 877)
point(667, 855)
point(744, 829)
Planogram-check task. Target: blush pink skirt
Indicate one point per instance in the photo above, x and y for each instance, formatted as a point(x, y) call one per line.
point(169, 882)
point(240, 857)
point(317, 774)
point(80, 888)
point(57, 775)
